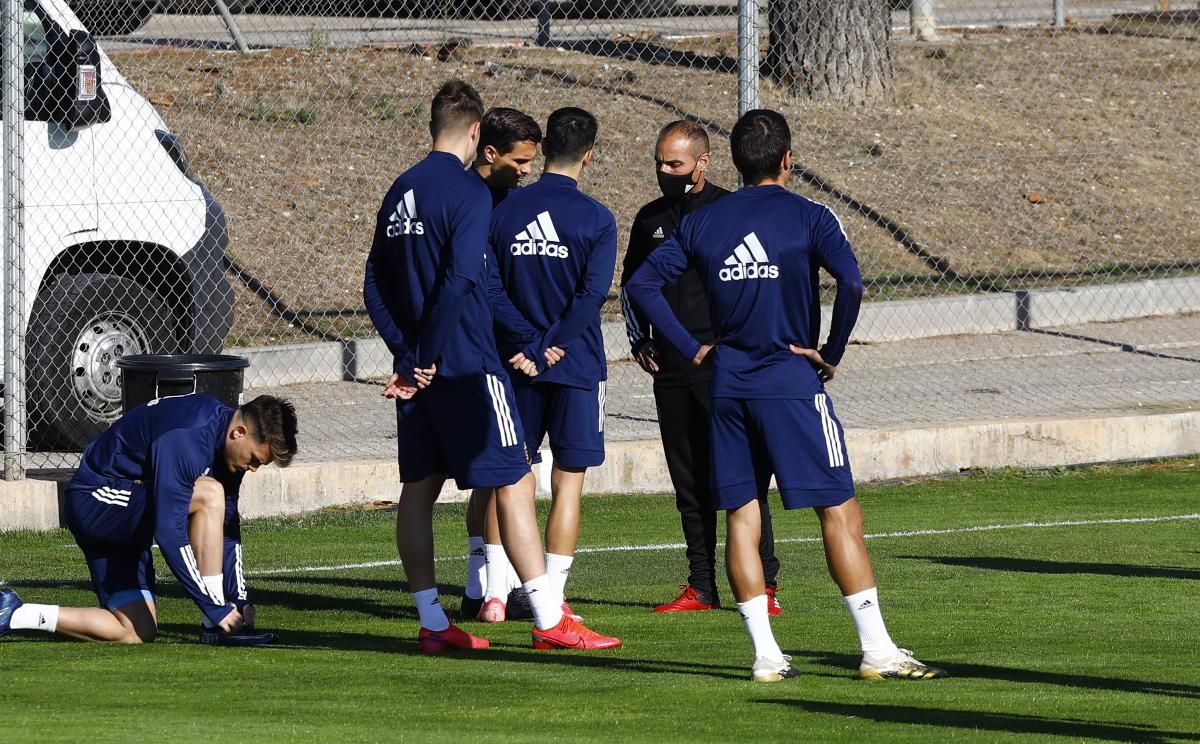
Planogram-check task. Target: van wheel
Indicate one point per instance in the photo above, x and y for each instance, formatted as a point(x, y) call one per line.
point(80, 326)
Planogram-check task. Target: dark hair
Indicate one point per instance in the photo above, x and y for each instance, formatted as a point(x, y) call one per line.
point(690, 131)
point(455, 107)
point(273, 420)
point(503, 128)
point(758, 143)
point(570, 132)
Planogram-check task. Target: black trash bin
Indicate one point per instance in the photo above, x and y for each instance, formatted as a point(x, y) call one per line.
point(145, 377)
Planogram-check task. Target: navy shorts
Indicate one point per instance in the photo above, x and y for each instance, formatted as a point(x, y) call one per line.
point(799, 441)
point(466, 428)
point(573, 418)
point(107, 522)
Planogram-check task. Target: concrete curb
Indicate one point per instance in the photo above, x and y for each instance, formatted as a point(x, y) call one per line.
point(639, 467)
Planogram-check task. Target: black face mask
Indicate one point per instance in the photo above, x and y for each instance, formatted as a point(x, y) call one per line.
point(675, 187)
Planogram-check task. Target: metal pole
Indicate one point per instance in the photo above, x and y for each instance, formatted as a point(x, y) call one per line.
point(1060, 13)
point(13, 111)
point(922, 20)
point(235, 33)
point(542, 8)
point(748, 56)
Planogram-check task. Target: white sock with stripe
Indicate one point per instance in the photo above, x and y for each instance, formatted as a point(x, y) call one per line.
point(476, 567)
point(497, 572)
point(216, 589)
point(758, 625)
point(35, 617)
point(877, 645)
point(429, 607)
point(558, 568)
point(547, 610)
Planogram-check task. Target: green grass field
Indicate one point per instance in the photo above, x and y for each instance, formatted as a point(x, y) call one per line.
point(1082, 630)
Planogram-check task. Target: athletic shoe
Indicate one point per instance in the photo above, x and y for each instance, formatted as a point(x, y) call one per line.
point(769, 670)
point(9, 602)
point(774, 609)
point(566, 610)
point(450, 639)
point(492, 611)
point(903, 666)
point(689, 600)
point(571, 634)
point(518, 605)
point(470, 607)
point(244, 637)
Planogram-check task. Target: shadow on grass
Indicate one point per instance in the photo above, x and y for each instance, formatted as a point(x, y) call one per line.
point(1033, 676)
point(290, 639)
point(1030, 565)
point(978, 721)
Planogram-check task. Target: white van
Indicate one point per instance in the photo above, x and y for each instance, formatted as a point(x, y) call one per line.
point(124, 248)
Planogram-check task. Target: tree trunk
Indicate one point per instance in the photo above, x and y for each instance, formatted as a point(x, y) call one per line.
point(831, 50)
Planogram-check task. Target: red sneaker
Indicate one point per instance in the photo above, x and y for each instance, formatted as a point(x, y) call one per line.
point(774, 609)
point(689, 600)
point(566, 610)
point(571, 634)
point(492, 611)
point(450, 639)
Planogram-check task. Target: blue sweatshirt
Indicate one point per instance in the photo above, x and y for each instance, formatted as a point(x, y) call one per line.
point(425, 285)
point(168, 444)
point(513, 332)
point(757, 251)
point(557, 249)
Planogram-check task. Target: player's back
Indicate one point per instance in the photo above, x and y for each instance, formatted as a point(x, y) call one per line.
point(758, 252)
point(123, 451)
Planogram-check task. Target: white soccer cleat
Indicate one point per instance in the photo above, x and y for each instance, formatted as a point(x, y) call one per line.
point(902, 666)
point(770, 670)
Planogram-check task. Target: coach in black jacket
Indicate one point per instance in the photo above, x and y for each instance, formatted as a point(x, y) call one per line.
point(680, 388)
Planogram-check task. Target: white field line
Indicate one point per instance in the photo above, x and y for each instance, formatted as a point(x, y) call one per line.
point(785, 540)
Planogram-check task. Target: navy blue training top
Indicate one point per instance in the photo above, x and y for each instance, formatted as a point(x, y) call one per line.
point(757, 252)
point(557, 249)
point(167, 444)
point(425, 285)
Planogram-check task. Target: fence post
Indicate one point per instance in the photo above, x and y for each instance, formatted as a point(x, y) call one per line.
point(1060, 14)
point(13, 111)
point(922, 20)
point(542, 10)
point(231, 25)
point(748, 55)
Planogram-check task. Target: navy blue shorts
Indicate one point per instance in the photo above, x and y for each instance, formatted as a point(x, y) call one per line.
point(799, 441)
point(107, 522)
point(573, 417)
point(466, 428)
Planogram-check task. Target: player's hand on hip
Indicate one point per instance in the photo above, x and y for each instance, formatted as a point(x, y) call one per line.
point(824, 371)
point(702, 354)
point(232, 623)
point(522, 363)
point(399, 387)
point(554, 355)
point(646, 356)
point(424, 377)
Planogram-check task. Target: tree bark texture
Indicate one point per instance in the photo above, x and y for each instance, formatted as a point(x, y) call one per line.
point(831, 50)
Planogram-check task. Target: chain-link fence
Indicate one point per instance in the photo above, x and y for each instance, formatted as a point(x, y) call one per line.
point(207, 175)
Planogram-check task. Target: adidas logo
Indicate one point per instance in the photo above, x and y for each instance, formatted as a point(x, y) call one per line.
point(866, 604)
point(749, 261)
point(478, 551)
point(658, 232)
point(404, 220)
point(539, 238)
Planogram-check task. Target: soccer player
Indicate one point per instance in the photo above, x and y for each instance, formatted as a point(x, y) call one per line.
point(425, 288)
point(508, 142)
point(681, 395)
point(757, 252)
point(166, 473)
point(557, 248)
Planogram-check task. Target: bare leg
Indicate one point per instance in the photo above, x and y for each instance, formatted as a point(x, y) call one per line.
point(206, 525)
point(517, 521)
point(845, 549)
point(742, 559)
point(136, 622)
point(491, 527)
point(414, 531)
point(562, 526)
point(477, 511)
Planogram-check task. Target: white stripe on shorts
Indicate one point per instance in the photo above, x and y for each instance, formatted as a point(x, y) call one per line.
point(833, 442)
point(600, 396)
point(504, 421)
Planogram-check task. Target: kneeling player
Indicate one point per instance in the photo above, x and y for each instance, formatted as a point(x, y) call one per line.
point(166, 473)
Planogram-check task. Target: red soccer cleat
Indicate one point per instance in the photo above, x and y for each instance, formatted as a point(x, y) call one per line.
point(571, 634)
point(450, 639)
point(774, 609)
point(492, 611)
point(566, 610)
point(689, 600)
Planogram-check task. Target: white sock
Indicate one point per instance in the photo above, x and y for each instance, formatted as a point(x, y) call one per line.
point(216, 587)
point(547, 610)
point(868, 621)
point(497, 572)
point(429, 607)
point(758, 625)
point(558, 568)
point(476, 567)
point(514, 581)
point(35, 617)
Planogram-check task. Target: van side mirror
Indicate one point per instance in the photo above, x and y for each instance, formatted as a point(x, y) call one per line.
point(64, 86)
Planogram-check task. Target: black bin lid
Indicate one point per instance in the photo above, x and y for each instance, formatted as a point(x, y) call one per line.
point(183, 362)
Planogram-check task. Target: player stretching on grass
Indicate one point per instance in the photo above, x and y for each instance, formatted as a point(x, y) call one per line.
point(425, 289)
point(757, 252)
point(166, 473)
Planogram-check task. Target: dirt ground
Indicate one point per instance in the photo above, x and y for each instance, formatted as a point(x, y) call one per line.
point(1012, 157)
